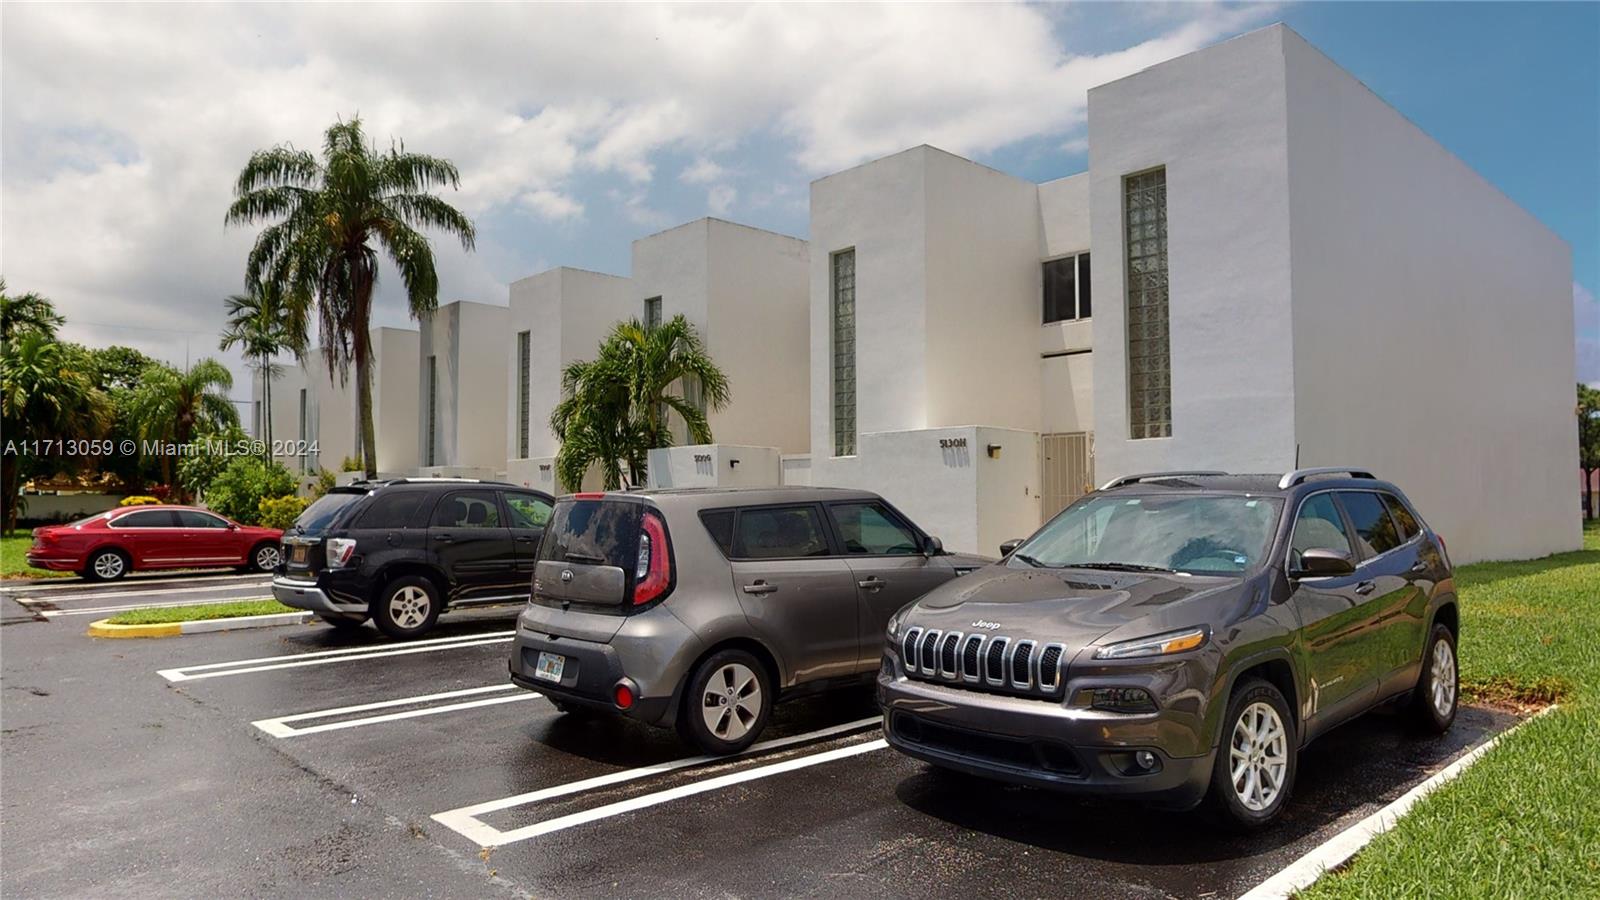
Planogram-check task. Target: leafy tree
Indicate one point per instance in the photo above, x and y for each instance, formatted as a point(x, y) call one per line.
point(279, 512)
point(172, 406)
point(43, 396)
point(21, 313)
point(264, 323)
point(214, 446)
point(616, 407)
point(117, 367)
point(238, 491)
point(1589, 441)
point(330, 221)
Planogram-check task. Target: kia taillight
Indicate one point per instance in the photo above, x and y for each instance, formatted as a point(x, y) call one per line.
point(653, 573)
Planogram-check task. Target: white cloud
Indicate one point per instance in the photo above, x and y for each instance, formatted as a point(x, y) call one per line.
point(123, 126)
point(1586, 319)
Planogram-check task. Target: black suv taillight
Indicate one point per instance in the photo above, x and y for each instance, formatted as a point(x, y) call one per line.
point(653, 575)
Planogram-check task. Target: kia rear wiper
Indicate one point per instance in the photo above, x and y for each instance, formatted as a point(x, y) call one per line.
point(1118, 567)
point(582, 557)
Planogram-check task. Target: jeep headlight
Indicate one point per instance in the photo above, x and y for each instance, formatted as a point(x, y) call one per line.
point(1155, 645)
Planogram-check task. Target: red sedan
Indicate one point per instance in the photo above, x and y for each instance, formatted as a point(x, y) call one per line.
point(107, 546)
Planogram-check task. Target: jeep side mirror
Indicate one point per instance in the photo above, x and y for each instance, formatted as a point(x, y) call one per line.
point(1321, 562)
point(1008, 546)
point(932, 546)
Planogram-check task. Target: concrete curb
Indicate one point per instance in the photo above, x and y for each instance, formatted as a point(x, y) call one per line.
point(105, 629)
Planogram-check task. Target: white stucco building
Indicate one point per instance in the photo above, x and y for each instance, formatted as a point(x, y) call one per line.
point(1284, 270)
point(461, 390)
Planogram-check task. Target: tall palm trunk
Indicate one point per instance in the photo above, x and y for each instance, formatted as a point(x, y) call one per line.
point(361, 349)
point(8, 486)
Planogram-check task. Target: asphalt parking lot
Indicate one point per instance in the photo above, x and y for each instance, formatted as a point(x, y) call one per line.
point(292, 760)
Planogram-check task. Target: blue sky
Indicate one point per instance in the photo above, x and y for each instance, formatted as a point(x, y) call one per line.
point(579, 129)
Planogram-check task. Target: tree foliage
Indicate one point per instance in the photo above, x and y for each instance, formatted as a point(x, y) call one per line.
point(1589, 439)
point(44, 396)
point(263, 323)
point(619, 405)
point(172, 407)
point(330, 219)
point(238, 490)
point(30, 312)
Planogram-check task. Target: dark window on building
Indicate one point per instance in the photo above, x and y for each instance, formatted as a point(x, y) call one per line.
point(1144, 213)
point(433, 410)
point(1066, 288)
point(391, 510)
point(652, 312)
point(524, 364)
point(844, 353)
point(1375, 531)
point(719, 523)
point(780, 533)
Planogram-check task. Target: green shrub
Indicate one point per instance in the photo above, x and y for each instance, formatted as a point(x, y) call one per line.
point(213, 451)
point(325, 482)
point(351, 464)
point(279, 512)
point(139, 500)
point(237, 492)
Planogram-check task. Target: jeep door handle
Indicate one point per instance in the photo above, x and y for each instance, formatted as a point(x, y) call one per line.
point(1366, 587)
point(759, 588)
point(872, 584)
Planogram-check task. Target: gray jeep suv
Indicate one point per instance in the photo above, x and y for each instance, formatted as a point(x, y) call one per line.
point(699, 608)
point(1180, 636)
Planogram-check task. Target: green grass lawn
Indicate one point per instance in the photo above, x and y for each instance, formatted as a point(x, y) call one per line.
point(1525, 820)
point(13, 558)
point(165, 614)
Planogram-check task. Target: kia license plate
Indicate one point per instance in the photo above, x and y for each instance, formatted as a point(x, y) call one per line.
point(549, 667)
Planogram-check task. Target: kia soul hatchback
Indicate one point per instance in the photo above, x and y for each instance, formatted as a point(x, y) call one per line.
point(699, 608)
point(1181, 636)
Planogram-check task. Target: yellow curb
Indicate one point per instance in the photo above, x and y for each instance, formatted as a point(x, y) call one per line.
point(105, 629)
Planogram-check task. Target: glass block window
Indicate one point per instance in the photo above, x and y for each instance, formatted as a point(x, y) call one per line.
point(1066, 288)
point(433, 411)
point(305, 427)
point(844, 353)
point(524, 364)
point(652, 312)
point(1144, 212)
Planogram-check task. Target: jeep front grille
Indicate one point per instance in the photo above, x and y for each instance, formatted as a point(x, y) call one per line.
point(996, 663)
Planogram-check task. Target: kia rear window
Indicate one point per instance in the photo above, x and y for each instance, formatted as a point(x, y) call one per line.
point(719, 523)
point(319, 515)
point(593, 533)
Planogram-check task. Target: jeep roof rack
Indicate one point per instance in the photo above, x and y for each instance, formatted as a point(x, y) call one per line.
point(1290, 479)
point(1152, 476)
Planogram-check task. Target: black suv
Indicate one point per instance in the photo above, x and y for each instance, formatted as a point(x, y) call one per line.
point(403, 551)
point(1181, 636)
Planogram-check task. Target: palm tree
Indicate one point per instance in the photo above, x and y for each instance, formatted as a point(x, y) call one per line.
point(172, 406)
point(263, 325)
point(26, 312)
point(617, 407)
point(330, 219)
point(1589, 442)
point(43, 394)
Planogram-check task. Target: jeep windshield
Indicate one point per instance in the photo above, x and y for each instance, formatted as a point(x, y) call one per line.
point(1197, 535)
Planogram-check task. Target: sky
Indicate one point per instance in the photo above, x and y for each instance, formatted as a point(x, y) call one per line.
point(580, 128)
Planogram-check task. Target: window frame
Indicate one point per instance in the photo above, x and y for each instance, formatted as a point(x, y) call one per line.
point(838, 446)
point(1079, 266)
point(1140, 429)
point(542, 497)
point(892, 514)
point(654, 312)
point(421, 515)
point(524, 390)
point(499, 506)
point(222, 523)
point(830, 539)
point(1358, 557)
point(172, 519)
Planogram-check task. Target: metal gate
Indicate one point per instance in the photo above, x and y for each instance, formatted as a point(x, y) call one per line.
point(1067, 470)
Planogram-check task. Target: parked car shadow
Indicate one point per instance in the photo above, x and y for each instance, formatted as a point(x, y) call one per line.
point(1355, 769)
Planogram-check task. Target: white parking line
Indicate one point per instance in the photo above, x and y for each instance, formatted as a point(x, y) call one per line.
point(280, 727)
point(324, 657)
point(99, 610)
point(111, 586)
point(1339, 849)
point(464, 820)
point(118, 595)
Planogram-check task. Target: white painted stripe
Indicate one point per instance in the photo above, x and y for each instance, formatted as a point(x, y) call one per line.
point(111, 596)
point(321, 657)
point(280, 727)
point(111, 586)
point(488, 836)
point(178, 604)
point(464, 820)
point(1340, 848)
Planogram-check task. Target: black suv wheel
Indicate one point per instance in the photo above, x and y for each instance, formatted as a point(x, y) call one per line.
point(407, 607)
point(1253, 774)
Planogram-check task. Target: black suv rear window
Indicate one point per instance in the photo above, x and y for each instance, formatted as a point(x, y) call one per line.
point(319, 515)
point(391, 509)
point(593, 532)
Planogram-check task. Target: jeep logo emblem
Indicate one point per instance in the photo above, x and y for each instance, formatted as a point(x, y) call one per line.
point(566, 576)
point(988, 626)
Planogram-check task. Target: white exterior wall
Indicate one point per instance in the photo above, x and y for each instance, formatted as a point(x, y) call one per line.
point(714, 465)
point(1066, 363)
point(1216, 119)
point(744, 289)
point(1433, 333)
point(394, 398)
point(468, 341)
point(566, 312)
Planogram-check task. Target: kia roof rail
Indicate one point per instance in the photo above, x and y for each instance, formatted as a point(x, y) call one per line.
point(1290, 479)
point(1152, 476)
